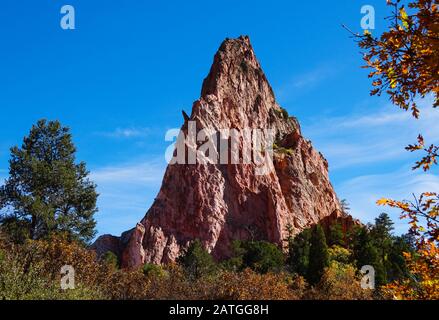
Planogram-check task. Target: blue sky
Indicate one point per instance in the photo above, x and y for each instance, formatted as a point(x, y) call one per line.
point(121, 78)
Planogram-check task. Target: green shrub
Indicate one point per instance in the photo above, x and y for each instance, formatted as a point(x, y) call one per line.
point(153, 270)
point(339, 254)
point(283, 150)
point(284, 113)
point(111, 260)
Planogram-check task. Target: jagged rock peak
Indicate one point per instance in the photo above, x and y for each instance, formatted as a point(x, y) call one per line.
point(234, 60)
point(221, 202)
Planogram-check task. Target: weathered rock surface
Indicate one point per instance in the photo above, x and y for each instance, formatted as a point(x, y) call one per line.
point(218, 203)
point(106, 243)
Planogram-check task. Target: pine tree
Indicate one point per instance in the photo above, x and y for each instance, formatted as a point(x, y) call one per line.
point(262, 256)
point(397, 263)
point(336, 235)
point(196, 261)
point(47, 192)
point(345, 208)
point(381, 233)
point(318, 255)
point(365, 253)
point(298, 252)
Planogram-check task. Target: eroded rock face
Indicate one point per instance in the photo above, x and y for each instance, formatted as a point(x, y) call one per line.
point(218, 203)
point(106, 243)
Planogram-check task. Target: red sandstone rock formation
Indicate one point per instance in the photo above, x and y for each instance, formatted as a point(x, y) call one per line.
point(218, 203)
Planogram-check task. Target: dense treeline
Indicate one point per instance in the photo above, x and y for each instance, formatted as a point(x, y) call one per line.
point(313, 267)
point(375, 245)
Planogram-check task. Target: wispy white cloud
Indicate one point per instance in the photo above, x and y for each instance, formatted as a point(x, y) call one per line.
point(305, 81)
point(372, 138)
point(363, 191)
point(342, 155)
point(126, 192)
point(138, 173)
point(126, 133)
point(363, 151)
point(311, 78)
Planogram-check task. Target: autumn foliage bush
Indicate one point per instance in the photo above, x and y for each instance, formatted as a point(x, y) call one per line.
point(339, 282)
point(424, 284)
point(32, 271)
point(226, 285)
point(249, 285)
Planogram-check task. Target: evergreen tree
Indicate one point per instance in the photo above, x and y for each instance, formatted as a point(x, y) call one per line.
point(47, 192)
point(336, 235)
point(298, 252)
point(381, 233)
point(345, 208)
point(365, 253)
point(318, 255)
point(352, 236)
point(235, 263)
point(397, 263)
point(196, 261)
point(262, 256)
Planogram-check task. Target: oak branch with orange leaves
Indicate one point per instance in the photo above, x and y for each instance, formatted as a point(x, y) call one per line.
point(405, 65)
